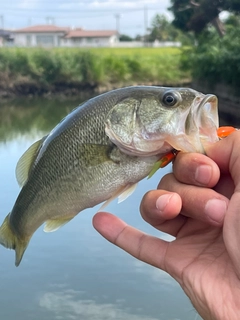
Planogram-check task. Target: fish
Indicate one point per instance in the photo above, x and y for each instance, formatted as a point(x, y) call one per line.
point(100, 151)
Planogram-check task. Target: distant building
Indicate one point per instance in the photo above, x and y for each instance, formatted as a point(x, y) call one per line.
point(6, 38)
point(90, 38)
point(54, 36)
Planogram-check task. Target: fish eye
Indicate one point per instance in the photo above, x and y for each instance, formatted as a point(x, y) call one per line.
point(171, 98)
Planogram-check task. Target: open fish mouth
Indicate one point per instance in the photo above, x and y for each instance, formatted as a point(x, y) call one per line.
point(207, 118)
point(198, 127)
point(202, 123)
point(187, 127)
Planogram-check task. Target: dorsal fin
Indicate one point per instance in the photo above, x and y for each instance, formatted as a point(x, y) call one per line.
point(25, 162)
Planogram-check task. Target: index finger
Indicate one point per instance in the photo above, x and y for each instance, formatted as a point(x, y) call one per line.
point(196, 169)
point(142, 246)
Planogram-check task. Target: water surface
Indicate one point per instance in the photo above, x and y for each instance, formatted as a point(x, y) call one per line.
point(74, 273)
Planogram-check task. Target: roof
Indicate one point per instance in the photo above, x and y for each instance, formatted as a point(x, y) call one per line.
point(42, 28)
point(5, 34)
point(78, 33)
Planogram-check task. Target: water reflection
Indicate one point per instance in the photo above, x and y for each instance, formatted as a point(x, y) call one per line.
point(31, 116)
point(68, 304)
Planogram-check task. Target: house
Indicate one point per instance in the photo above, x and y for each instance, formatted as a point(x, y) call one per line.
point(90, 38)
point(6, 38)
point(54, 36)
point(40, 35)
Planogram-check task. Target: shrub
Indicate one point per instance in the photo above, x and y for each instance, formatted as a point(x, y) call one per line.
point(215, 59)
point(48, 68)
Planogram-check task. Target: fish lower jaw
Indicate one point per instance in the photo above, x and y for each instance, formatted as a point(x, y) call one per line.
point(186, 144)
point(146, 149)
point(140, 144)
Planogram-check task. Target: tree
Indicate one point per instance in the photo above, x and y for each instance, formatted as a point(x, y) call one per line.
point(162, 30)
point(195, 15)
point(124, 37)
point(139, 37)
point(232, 21)
point(159, 29)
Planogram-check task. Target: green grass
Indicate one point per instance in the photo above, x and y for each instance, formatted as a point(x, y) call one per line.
point(46, 69)
point(138, 51)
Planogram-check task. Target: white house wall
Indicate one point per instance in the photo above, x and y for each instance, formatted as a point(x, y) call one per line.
point(89, 42)
point(31, 39)
point(20, 40)
point(58, 40)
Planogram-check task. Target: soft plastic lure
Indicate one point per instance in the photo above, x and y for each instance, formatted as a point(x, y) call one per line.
point(222, 132)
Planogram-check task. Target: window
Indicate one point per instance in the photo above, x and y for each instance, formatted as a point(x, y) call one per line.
point(44, 40)
point(29, 40)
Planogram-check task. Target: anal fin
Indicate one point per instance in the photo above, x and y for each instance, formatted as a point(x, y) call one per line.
point(54, 224)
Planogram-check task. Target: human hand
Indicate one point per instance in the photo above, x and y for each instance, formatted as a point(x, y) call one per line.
point(205, 256)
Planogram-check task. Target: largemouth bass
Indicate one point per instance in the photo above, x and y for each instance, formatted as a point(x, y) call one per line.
point(100, 151)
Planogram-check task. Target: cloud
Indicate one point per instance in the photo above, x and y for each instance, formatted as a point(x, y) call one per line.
point(68, 305)
point(122, 4)
point(155, 274)
point(110, 4)
point(26, 4)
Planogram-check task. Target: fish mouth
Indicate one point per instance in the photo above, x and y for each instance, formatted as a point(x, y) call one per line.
point(201, 124)
point(207, 119)
point(199, 127)
point(189, 130)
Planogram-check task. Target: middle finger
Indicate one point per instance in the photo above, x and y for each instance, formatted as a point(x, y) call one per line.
point(199, 203)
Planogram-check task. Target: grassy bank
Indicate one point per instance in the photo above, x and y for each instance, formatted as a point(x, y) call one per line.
point(38, 71)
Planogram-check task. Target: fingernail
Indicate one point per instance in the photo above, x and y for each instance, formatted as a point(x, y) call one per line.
point(216, 209)
point(203, 174)
point(162, 201)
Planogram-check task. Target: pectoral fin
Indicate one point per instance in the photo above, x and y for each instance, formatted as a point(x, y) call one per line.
point(122, 194)
point(127, 192)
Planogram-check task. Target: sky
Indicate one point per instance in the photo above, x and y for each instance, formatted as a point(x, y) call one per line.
point(128, 17)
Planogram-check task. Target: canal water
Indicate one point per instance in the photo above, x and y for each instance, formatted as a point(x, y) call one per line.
point(74, 273)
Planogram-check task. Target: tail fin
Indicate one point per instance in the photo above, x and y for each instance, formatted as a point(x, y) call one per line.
point(9, 240)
